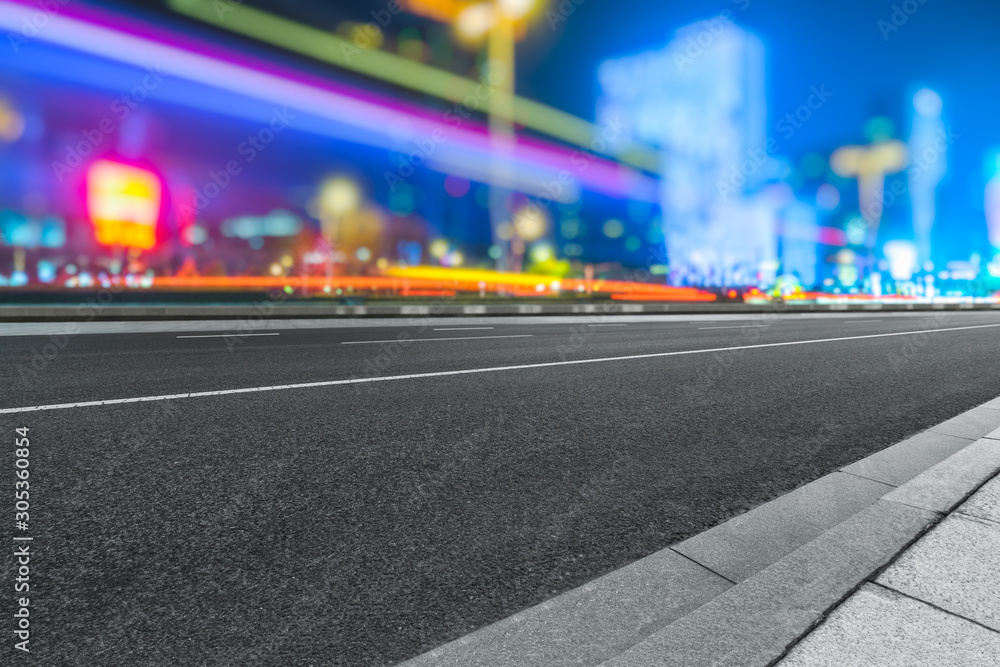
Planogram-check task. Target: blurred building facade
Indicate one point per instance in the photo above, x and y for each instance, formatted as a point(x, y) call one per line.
point(702, 101)
point(137, 152)
point(152, 154)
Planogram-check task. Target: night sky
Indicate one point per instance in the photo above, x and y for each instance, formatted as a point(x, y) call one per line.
point(948, 46)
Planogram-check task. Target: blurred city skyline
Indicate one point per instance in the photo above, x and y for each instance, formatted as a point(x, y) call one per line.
point(862, 51)
point(714, 144)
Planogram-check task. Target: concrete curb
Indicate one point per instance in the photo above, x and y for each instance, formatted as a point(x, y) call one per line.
point(93, 310)
point(742, 593)
point(936, 603)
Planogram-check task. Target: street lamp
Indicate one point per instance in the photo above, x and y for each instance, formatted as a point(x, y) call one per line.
point(475, 21)
point(870, 165)
point(338, 196)
point(501, 37)
point(499, 21)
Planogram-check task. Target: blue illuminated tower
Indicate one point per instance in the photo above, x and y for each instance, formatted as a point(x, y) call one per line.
point(702, 101)
point(992, 199)
point(928, 164)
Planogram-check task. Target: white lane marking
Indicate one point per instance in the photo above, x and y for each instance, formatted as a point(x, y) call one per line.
point(464, 329)
point(861, 321)
point(421, 340)
point(607, 325)
point(414, 376)
point(738, 326)
point(236, 335)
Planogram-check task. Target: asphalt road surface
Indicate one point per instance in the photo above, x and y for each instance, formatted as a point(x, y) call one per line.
point(363, 523)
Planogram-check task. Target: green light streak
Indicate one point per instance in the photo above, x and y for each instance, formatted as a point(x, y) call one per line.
point(335, 50)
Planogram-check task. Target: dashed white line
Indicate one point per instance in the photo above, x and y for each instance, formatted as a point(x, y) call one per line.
point(424, 340)
point(495, 369)
point(607, 325)
point(740, 326)
point(464, 329)
point(227, 335)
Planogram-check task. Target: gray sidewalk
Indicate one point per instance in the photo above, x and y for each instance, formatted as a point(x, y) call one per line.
point(938, 604)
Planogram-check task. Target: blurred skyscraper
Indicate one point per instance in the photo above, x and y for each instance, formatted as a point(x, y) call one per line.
point(702, 101)
point(992, 198)
point(928, 164)
point(798, 241)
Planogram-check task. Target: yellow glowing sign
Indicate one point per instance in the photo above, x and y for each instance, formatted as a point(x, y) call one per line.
point(11, 123)
point(870, 165)
point(124, 204)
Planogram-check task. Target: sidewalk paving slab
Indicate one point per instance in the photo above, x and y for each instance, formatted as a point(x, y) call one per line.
point(956, 567)
point(752, 623)
point(985, 503)
point(948, 483)
point(747, 544)
point(878, 627)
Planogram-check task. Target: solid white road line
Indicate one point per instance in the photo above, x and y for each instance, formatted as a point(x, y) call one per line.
point(607, 325)
point(421, 340)
point(414, 376)
point(235, 335)
point(464, 329)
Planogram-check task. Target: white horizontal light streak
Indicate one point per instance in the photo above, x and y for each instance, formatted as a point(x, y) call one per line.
point(397, 128)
